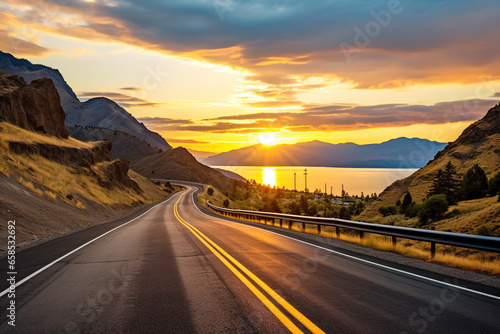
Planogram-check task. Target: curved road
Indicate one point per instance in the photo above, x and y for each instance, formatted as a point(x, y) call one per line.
point(174, 269)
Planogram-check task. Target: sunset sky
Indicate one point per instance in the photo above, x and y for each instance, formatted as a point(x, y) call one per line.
point(212, 75)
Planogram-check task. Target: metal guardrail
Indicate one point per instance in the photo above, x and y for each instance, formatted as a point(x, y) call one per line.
point(490, 244)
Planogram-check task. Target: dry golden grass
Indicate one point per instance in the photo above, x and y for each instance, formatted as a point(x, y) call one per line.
point(471, 215)
point(484, 262)
point(59, 182)
point(10, 132)
point(217, 198)
point(29, 185)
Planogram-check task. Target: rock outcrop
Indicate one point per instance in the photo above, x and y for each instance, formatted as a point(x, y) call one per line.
point(68, 156)
point(35, 107)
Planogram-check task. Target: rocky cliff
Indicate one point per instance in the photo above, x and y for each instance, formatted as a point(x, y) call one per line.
point(34, 107)
point(98, 112)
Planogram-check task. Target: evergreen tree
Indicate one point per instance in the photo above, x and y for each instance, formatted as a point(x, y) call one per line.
point(275, 206)
point(494, 185)
point(446, 183)
point(438, 186)
point(475, 183)
point(294, 208)
point(303, 204)
point(343, 213)
point(452, 184)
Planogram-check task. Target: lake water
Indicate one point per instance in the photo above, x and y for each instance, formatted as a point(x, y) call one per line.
point(355, 180)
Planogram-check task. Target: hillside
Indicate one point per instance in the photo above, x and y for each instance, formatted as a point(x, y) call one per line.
point(478, 144)
point(395, 153)
point(179, 164)
point(44, 180)
point(98, 112)
point(125, 146)
point(47, 177)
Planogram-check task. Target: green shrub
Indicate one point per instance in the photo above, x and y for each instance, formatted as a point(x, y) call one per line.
point(210, 191)
point(388, 210)
point(475, 183)
point(226, 203)
point(432, 209)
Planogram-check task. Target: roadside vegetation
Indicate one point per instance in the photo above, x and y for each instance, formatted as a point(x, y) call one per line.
point(467, 205)
point(449, 206)
point(253, 196)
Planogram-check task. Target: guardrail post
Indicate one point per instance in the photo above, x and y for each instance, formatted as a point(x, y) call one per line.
point(337, 231)
point(361, 235)
point(393, 238)
point(281, 222)
point(433, 245)
point(319, 229)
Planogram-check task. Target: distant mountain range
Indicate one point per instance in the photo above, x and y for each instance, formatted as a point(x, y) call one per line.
point(98, 112)
point(395, 153)
point(200, 155)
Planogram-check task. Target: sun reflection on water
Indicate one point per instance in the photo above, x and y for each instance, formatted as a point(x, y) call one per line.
point(269, 176)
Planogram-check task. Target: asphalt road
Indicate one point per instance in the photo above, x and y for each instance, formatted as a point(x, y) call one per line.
point(175, 269)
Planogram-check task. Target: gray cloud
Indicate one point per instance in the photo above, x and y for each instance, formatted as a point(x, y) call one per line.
point(124, 100)
point(433, 36)
point(186, 141)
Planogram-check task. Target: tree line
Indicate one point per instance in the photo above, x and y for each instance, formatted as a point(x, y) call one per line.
point(447, 189)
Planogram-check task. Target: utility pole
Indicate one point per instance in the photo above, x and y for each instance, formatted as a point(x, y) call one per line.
point(305, 176)
point(343, 194)
point(294, 181)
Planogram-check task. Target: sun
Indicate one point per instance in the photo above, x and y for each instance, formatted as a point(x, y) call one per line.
point(268, 139)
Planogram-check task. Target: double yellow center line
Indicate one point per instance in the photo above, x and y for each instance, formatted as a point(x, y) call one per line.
point(232, 263)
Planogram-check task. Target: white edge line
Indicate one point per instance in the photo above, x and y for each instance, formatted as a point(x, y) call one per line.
point(78, 248)
point(366, 261)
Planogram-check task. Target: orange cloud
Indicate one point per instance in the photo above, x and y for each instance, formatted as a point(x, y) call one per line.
point(293, 41)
